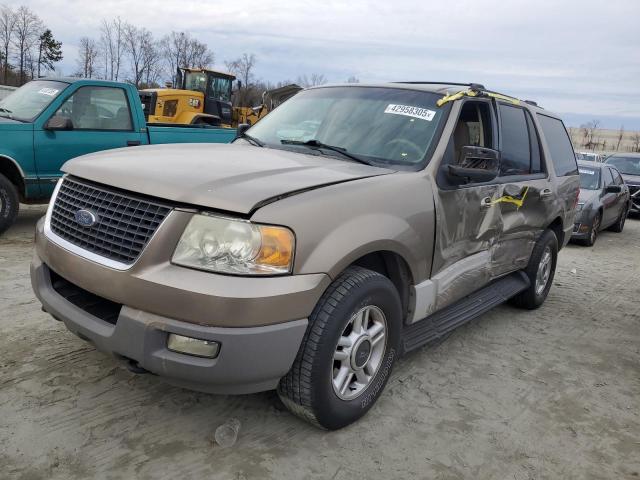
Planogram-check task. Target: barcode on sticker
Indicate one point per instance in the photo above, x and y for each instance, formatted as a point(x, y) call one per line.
point(409, 111)
point(48, 91)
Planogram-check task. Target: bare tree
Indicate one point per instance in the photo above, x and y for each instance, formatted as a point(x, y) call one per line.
point(635, 139)
point(27, 29)
point(620, 137)
point(353, 79)
point(112, 46)
point(140, 46)
point(242, 68)
point(87, 59)
point(589, 130)
point(312, 81)
point(180, 50)
point(7, 30)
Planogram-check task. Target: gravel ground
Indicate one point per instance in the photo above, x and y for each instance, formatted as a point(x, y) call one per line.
point(553, 393)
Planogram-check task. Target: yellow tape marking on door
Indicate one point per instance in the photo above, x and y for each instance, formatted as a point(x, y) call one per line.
point(518, 202)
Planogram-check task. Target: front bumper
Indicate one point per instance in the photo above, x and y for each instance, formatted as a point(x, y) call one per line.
point(580, 231)
point(259, 322)
point(250, 359)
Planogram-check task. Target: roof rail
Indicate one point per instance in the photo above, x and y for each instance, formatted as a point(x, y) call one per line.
point(477, 85)
point(531, 102)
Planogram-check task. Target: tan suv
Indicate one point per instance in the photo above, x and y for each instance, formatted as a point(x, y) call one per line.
point(351, 225)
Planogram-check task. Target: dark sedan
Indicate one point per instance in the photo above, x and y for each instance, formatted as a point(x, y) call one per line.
point(628, 164)
point(603, 203)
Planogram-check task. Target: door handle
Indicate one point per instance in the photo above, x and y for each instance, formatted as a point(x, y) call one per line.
point(133, 143)
point(546, 192)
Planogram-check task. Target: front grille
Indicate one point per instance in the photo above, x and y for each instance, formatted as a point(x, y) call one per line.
point(634, 190)
point(93, 304)
point(125, 222)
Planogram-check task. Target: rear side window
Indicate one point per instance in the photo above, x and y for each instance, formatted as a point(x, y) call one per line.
point(617, 178)
point(520, 146)
point(562, 154)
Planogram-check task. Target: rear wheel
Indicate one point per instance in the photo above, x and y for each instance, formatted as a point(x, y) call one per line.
point(9, 203)
point(619, 225)
point(348, 351)
point(541, 270)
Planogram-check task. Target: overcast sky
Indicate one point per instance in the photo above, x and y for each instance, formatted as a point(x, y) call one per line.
point(578, 58)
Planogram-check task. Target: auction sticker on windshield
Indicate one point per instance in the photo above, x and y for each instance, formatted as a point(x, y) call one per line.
point(587, 172)
point(48, 91)
point(409, 111)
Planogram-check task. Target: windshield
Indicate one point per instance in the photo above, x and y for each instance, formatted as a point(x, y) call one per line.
point(589, 178)
point(27, 102)
point(626, 165)
point(379, 125)
point(196, 81)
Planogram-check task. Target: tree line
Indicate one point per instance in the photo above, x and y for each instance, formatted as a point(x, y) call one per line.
point(28, 47)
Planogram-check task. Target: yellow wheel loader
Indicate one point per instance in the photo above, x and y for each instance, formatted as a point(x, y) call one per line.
point(204, 97)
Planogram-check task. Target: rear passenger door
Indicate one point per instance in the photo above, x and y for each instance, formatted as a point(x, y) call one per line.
point(525, 196)
point(610, 200)
point(101, 118)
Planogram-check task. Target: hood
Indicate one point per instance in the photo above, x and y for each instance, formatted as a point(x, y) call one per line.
point(631, 179)
point(588, 195)
point(9, 124)
point(236, 178)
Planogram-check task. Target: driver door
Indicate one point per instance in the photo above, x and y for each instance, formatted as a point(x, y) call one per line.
point(101, 118)
point(468, 225)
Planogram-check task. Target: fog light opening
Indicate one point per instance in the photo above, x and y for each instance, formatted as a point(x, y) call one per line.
point(193, 346)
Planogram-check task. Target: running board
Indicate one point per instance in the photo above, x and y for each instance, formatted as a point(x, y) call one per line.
point(442, 322)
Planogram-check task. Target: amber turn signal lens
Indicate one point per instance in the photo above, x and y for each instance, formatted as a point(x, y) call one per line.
point(277, 247)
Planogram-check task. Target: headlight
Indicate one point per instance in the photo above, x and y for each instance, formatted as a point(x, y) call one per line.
point(239, 247)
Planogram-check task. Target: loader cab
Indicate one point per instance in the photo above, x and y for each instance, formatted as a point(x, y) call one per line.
point(216, 88)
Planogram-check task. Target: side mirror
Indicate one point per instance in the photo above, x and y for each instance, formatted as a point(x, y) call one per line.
point(242, 127)
point(612, 189)
point(58, 122)
point(477, 164)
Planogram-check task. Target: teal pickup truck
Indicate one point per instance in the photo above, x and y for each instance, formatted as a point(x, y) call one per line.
point(48, 121)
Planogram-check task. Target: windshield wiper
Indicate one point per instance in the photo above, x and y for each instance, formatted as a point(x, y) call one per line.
point(251, 140)
point(318, 144)
point(2, 109)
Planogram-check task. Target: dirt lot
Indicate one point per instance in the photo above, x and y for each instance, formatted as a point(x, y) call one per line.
point(553, 393)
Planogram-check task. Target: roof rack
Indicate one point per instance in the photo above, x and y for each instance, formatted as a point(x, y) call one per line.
point(531, 102)
point(478, 86)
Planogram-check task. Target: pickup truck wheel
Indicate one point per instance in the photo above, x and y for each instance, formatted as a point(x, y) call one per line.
point(541, 269)
point(9, 203)
point(347, 352)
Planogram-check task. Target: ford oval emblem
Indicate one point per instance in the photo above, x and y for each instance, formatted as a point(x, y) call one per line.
point(86, 218)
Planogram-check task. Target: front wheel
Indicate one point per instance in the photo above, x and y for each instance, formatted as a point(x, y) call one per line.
point(541, 270)
point(348, 351)
point(9, 203)
point(593, 231)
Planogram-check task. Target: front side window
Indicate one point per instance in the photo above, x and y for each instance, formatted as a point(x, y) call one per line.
point(617, 178)
point(589, 178)
point(27, 102)
point(560, 148)
point(377, 124)
point(606, 177)
point(97, 108)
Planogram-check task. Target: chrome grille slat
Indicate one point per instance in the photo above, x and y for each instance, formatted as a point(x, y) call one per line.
point(126, 221)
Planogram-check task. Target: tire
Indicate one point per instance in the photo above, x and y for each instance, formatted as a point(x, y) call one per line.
point(593, 231)
point(535, 294)
point(9, 203)
point(308, 389)
point(619, 225)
